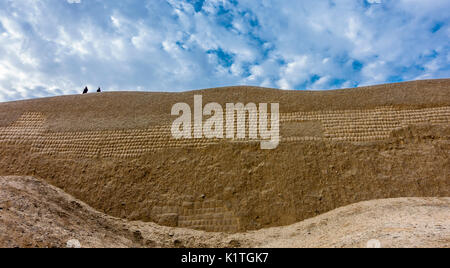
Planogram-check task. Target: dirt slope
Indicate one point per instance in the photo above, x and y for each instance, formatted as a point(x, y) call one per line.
point(130, 110)
point(115, 152)
point(36, 214)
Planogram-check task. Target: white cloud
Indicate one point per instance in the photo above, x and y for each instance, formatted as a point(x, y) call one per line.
point(294, 72)
point(53, 48)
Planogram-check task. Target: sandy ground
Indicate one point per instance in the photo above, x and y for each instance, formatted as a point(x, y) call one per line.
point(36, 214)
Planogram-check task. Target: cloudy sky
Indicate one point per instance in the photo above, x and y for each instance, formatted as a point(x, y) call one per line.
point(54, 47)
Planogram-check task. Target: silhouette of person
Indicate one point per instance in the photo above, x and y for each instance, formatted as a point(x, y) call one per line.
point(99, 90)
point(85, 90)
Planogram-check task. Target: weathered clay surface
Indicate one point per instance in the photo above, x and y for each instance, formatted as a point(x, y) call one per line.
point(36, 214)
point(115, 152)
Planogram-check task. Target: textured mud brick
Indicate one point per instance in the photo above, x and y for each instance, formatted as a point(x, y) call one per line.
point(169, 219)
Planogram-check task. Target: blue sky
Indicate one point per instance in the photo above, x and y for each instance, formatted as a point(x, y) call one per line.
point(54, 47)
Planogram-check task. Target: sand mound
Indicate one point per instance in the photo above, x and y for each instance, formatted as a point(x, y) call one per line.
point(115, 152)
point(36, 214)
